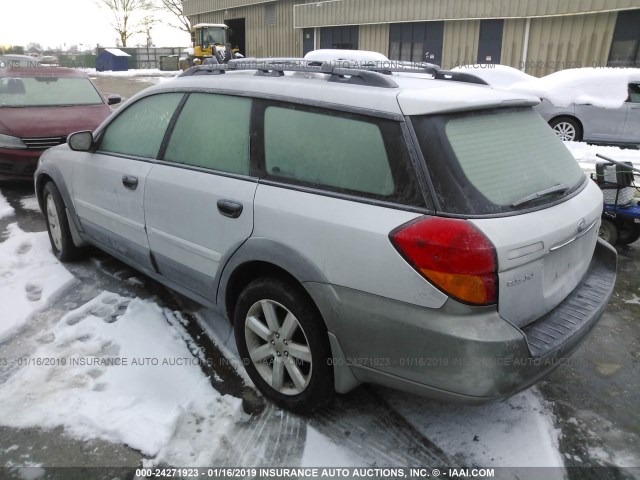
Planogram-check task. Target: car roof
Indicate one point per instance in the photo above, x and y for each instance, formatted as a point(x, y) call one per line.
point(401, 93)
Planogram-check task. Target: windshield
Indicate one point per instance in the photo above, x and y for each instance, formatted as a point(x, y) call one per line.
point(495, 161)
point(47, 91)
point(213, 36)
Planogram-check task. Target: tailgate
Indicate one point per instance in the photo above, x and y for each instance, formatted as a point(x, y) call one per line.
point(543, 255)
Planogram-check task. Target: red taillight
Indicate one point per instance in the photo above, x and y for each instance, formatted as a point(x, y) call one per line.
point(453, 255)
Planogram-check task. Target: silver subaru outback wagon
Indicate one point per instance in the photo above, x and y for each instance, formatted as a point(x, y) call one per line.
point(399, 226)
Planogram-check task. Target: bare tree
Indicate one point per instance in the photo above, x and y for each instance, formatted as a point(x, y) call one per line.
point(176, 7)
point(128, 16)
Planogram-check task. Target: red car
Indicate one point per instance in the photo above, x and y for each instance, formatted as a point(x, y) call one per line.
point(39, 107)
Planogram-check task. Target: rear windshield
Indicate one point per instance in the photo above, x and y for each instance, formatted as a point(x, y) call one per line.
point(495, 161)
point(47, 92)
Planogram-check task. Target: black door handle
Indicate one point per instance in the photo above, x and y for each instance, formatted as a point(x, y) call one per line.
point(229, 208)
point(130, 182)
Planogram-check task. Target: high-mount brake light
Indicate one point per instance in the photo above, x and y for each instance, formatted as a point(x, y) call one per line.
point(453, 255)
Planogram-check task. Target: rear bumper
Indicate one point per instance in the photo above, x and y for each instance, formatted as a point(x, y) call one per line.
point(18, 164)
point(460, 353)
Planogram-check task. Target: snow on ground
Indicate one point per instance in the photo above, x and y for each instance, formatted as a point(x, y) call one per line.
point(123, 373)
point(148, 72)
point(585, 154)
point(6, 210)
point(601, 87)
point(519, 432)
point(318, 449)
point(119, 369)
point(30, 203)
point(30, 277)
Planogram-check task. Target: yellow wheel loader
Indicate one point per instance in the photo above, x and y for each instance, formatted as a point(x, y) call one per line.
point(209, 41)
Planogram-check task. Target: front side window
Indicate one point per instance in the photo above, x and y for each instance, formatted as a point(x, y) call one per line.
point(212, 132)
point(17, 91)
point(495, 161)
point(140, 129)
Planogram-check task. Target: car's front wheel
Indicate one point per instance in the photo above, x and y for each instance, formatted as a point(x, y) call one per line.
point(284, 344)
point(55, 216)
point(567, 129)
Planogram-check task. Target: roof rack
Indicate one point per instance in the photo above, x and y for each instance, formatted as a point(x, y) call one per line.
point(367, 72)
point(275, 67)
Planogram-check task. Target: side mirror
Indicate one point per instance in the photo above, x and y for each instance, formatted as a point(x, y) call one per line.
point(113, 99)
point(80, 141)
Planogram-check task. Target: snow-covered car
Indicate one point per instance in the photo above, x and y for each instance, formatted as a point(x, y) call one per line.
point(597, 105)
point(355, 224)
point(497, 76)
point(39, 107)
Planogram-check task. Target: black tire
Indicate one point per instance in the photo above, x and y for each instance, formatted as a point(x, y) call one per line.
point(60, 234)
point(315, 377)
point(628, 232)
point(567, 128)
point(608, 231)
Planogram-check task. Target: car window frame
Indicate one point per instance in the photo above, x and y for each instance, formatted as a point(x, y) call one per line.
point(396, 143)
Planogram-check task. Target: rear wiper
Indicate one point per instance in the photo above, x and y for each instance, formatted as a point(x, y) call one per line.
point(542, 193)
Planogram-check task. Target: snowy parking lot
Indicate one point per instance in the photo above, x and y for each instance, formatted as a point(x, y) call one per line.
point(102, 367)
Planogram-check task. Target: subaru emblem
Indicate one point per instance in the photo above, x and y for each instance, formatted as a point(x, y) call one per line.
point(582, 224)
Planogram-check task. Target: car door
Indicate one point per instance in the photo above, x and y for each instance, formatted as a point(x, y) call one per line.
point(199, 197)
point(631, 132)
point(601, 124)
point(109, 185)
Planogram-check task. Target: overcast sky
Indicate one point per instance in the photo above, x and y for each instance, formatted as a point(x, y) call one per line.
point(56, 23)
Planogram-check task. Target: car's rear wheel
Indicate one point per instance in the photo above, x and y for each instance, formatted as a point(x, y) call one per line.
point(628, 232)
point(284, 344)
point(55, 216)
point(608, 231)
point(567, 129)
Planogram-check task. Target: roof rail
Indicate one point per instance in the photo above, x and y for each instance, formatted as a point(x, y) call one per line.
point(370, 73)
point(275, 67)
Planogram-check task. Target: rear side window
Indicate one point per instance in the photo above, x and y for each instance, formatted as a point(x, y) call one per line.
point(495, 161)
point(340, 152)
point(326, 150)
point(212, 132)
point(140, 129)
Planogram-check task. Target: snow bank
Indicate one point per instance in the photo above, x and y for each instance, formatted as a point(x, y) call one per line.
point(149, 72)
point(601, 87)
point(6, 210)
point(122, 372)
point(517, 433)
point(30, 278)
point(585, 154)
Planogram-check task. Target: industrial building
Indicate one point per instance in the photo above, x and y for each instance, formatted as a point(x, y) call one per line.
point(537, 36)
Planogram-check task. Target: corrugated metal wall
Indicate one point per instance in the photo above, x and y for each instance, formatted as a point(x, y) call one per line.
point(460, 43)
point(558, 43)
point(353, 12)
point(374, 38)
point(555, 43)
point(193, 7)
point(513, 42)
point(262, 40)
